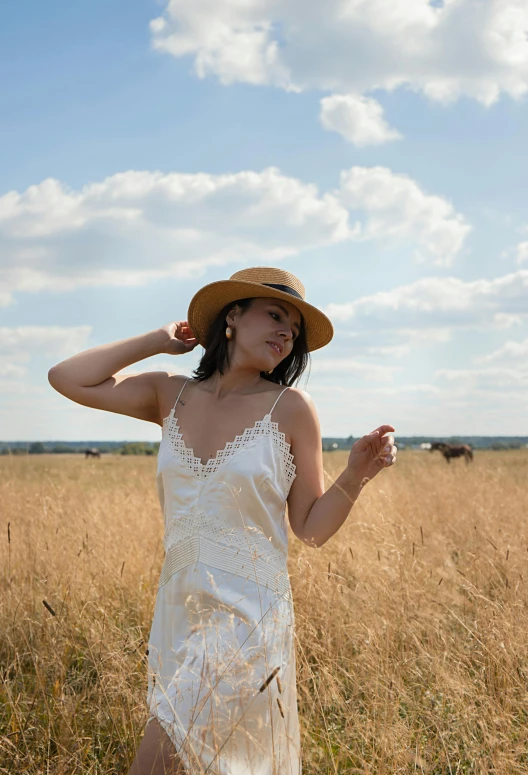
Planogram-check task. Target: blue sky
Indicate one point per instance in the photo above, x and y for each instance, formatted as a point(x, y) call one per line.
point(378, 152)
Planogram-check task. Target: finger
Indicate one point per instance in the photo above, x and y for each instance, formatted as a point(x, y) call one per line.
point(387, 454)
point(372, 442)
point(383, 429)
point(387, 458)
point(392, 454)
point(367, 440)
point(384, 457)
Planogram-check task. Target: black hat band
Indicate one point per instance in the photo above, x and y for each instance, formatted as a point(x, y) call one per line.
point(284, 289)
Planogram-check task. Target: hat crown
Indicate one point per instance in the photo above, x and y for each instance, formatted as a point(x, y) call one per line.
point(269, 274)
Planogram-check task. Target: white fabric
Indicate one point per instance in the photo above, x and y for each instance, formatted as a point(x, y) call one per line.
point(224, 616)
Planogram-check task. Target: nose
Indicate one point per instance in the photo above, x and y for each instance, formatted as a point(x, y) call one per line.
point(286, 333)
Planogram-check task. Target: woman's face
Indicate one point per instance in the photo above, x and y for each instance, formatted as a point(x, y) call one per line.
point(264, 334)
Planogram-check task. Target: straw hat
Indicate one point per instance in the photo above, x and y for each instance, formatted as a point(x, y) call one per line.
point(255, 282)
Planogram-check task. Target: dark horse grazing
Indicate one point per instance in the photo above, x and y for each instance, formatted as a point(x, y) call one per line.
point(92, 453)
point(453, 450)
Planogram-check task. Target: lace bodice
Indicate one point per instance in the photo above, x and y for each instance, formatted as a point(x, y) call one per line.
point(230, 511)
point(241, 442)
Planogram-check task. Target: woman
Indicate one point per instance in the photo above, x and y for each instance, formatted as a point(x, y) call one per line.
point(238, 444)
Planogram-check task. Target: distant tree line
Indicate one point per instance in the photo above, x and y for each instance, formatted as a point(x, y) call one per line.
point(477, 442)
point(61, 448)
point(330, 444)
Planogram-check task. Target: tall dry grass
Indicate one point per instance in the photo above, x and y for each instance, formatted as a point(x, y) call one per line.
point(411, 622)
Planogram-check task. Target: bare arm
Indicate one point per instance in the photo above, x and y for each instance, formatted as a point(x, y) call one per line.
point(90, 378)
point(316, 515)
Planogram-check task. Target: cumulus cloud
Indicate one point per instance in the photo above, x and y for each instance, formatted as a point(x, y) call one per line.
point(9, 369)
point(358, 119)
point(47, 340)
point(506, 380)
point(398, 209)
point(504, 371)
point(135, 227)
point(341, 366)
point(20, 343)
point(374, 343)
point(510, 351)
point(522, 252)
point(440, 302)
point(504, 320)
point(477, 48)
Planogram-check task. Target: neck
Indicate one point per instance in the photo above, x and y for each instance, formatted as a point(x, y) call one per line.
point(235, 380)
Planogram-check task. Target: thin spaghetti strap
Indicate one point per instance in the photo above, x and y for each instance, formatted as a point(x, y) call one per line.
point(179, 395)
point(277, 400)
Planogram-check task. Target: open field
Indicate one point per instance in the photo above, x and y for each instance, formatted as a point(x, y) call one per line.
point(412, 621)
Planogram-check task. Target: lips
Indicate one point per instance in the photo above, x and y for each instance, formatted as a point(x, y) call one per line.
point(276, 346)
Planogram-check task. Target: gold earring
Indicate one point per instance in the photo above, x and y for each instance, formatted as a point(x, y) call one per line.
point(229, 333)
point(270, 371)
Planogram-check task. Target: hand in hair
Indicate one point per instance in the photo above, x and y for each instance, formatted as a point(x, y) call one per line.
point(180, 340)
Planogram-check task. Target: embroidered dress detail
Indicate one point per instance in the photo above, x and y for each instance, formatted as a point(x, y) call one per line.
point(261, 428)
point(199, 537)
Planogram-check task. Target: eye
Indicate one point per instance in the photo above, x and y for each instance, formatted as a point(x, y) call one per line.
point(276, 316)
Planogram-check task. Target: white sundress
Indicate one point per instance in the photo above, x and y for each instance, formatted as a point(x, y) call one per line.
point(223, 620)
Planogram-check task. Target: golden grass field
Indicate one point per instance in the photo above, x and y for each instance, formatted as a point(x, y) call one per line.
point(411, 622)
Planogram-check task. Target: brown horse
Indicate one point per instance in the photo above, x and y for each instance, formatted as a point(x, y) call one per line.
point(453, 450)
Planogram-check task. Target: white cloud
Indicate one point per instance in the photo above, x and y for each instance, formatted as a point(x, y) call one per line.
point(503, 320)
point(47, 340)
point(510, 351)
point(135, 227)
point(398, 209)
point(477, 48)
point(16, 388)
point(9, 369)
point(358, 119)
point(20, 343)
point(370, 371)
point(420, 409)
point(501, 379)
point(522, 252)
point(440, 302)
point(394, 342)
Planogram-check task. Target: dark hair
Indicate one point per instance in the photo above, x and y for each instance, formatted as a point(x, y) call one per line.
point(216, 355)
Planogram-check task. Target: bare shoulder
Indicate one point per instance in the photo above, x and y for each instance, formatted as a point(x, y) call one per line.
point(298, 403)
point(168, 386)
point(296, 412)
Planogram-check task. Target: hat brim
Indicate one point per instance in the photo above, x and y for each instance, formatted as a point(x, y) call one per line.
point(212, 298)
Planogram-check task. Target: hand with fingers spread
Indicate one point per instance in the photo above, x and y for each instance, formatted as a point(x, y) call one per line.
point(180, 340)
point(370, 454)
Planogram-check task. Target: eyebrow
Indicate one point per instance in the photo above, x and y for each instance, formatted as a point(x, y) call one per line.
point(276, 304)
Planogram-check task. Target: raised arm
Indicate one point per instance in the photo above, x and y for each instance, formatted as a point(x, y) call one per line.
point(90, 378)
point(316, 515)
